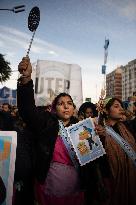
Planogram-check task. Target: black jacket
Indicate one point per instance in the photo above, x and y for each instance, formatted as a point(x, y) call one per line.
point(44, 126)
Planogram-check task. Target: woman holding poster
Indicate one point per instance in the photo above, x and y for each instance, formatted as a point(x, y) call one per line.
point(57, 178)
point(120, 147)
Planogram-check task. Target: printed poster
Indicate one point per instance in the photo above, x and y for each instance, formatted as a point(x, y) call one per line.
point(8, 143)
point(86, 143)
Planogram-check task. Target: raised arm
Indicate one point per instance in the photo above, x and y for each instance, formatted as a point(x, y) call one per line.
point(25, 92)
point(26, 102)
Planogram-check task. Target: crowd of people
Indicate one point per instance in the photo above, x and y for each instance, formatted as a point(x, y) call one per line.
point(44, 171)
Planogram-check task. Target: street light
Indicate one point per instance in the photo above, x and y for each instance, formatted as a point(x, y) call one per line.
point(16, 9)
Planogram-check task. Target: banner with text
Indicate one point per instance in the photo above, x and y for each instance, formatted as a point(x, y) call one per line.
point(51, 78)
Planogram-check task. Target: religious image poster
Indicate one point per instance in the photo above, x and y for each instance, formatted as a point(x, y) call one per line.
point(86, 143)
point(8, 143)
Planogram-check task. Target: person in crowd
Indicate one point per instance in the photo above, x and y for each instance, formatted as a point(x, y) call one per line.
point(96, 174)
point(6, 122)
point(23, 176)
point(14, 111)
point(5, 125)
point(132, 120)
point(81, 116)
point(44, 107)
point(18, 123)
point(6, 107)
point(134, 108)
point(0, 107)
point(57, 179)
point(122, 168)
point(48, 107)
point(129, 118)
point(88, 109)
point(134, 96)
point(2, 191)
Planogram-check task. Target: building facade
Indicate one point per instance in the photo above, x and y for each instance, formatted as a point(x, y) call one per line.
point(7, 95)
point(114, 83)
point(128, 80)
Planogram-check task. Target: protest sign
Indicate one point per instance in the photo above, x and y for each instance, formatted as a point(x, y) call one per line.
point(86, 143)
point(8, 143)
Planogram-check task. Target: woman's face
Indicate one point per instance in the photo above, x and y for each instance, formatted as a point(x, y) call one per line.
point(88, 112)
point(116, 111)
point(64, 108)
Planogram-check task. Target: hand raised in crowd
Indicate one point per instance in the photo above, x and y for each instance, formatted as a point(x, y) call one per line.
point(25, 69)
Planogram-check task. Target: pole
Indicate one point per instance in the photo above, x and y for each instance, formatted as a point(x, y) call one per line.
point(15, 9)
point(6, 9)
point(105, 62)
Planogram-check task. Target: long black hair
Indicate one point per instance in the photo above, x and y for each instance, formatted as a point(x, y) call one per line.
point(103, 116)
point(86, 105)
point(111, 102)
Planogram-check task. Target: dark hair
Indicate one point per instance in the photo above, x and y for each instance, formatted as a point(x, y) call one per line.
point(80, 113)
point(108, 106)
point(111, 101)
point(55, 101)
point(41, 108)
point(86, 105)
point(9, 106)
point(6, 121)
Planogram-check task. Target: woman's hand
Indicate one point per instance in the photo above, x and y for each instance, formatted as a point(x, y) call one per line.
point(25, 69)
point(100, 130)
